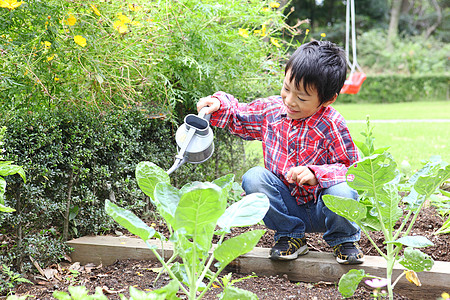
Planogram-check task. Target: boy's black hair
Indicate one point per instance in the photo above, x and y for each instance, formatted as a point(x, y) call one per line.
point(321, 65)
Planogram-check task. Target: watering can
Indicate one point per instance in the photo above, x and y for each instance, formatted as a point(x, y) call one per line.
point(194, 140)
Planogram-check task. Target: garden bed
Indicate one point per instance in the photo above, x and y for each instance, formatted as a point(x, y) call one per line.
point(117, 276)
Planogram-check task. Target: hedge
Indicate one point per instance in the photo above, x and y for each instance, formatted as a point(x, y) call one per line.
point(75, 159)
point(390, 88)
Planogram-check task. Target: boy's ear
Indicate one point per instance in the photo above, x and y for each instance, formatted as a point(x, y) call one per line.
point(331, 101)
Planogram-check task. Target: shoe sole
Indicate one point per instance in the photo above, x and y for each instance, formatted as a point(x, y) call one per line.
point(301, 251)
point(350, 261)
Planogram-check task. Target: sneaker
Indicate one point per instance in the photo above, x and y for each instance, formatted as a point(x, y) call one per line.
point(348, 253)
point(287, 248)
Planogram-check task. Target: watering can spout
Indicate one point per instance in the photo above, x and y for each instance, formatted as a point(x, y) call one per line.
point(194, 140)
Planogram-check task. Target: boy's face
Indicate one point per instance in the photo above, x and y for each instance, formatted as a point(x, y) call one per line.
point(300, 103)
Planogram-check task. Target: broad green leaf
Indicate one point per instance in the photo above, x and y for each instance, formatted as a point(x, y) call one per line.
point(233, 293)
point(226, 183)
point(61, 295)
point(78, 292)
point(2, 190)
point(445, 227)
point(236, 246)
point(348, 208)
point(372, 172)
point(8, 169)
point(427, 184)
point(6, 209)
point(168, 292)
point(167, 198)
point(248, 211)
point(148, 175)
point(371, 223)
point(416, 260)
point(130, 221)
point(362, 147)
point(413, 241)
point(414, 200)
point(425, 170)
point(198, 211)
point(349, 282)
point(389, 199)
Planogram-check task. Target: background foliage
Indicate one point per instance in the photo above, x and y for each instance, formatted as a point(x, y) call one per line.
point(90, 88)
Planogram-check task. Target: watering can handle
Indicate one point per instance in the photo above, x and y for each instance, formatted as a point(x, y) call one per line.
point(203, 115)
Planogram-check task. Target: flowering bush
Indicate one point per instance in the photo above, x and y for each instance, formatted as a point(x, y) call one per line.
point(147, 54)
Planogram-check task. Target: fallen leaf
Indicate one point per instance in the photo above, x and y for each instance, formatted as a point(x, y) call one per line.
point(50, 273)
point(75, 266)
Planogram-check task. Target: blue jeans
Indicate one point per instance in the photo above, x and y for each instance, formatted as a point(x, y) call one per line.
point(288, 218)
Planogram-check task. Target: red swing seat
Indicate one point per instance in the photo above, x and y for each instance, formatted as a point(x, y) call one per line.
point(353, 83)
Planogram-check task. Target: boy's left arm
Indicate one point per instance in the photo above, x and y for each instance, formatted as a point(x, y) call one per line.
point(342, 152)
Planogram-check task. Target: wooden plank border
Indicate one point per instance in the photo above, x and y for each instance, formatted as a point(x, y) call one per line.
point(313, 267)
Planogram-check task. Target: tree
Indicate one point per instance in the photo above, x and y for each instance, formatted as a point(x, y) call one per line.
point(394, 20)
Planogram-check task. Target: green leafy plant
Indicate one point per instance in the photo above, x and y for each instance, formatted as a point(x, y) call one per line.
point(192, 214)
point(443, 206)
point(6, 169)
point(379, 207)
point(12, 278)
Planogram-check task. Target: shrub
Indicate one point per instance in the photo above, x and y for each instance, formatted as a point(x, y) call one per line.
point(143, 54)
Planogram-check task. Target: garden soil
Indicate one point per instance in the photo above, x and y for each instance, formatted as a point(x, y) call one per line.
point(115, 279)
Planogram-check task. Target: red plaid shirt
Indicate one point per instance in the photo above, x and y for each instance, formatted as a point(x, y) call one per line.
point(321, 142)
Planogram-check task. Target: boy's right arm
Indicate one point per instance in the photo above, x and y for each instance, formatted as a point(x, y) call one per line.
point(212, 103)
point(242, 119)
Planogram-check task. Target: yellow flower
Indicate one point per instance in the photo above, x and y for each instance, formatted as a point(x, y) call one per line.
point(323, 34)
point(124, 19)
point(265, 9)
point(257, 32)
point(120, 26)
point(95, 10)
point(56, 78)
point(274, 4)
point(46, 44)
point(275, 42)
point(51, 57)
point(445, 296)
point(306, 31)
point(243, 32)
point(80, 40)
point(71, 20)
point(135, 23)
point(10, 4)
point(134, 7)
point(263, 30)
point(412, 277)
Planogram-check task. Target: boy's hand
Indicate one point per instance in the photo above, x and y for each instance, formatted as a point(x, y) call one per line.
point(212, 103)
point(301, 175)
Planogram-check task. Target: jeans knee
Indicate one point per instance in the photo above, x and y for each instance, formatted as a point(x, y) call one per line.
point(341, 190)
point(253, 179)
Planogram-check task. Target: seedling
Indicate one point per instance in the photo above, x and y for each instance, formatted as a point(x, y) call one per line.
point(378, 208)
point(192, 214)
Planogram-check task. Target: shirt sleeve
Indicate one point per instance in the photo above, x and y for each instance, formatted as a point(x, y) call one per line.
point(342, 152)
point(242, 119)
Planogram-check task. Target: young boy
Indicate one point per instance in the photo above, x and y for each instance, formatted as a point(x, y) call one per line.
point(307, 149)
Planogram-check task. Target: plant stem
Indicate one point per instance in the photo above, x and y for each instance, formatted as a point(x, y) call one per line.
point(373, 242)
point(161, 260)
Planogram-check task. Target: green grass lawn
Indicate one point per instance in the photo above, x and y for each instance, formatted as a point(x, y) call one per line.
point(391, 111)
point(410, 141)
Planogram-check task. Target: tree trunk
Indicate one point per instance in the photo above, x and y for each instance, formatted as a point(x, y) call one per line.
point(68, 204)
point(19, 235)
point(432, 28)
point(393, 23)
